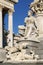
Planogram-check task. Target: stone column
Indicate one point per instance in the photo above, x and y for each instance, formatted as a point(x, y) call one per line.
point(1, 28)
point(39, 21)
point(10, 28)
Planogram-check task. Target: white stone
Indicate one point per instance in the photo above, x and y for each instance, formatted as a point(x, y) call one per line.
point(6, 4)
point(10, 28)
point(31, 27)
point(13, 50)
point(1, 28)
point(15, 1)
point(10, 6)
point(39, 21)
point(21, 27)
point(7, 48)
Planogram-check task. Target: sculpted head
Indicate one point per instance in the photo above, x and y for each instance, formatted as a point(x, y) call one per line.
point(31, 21)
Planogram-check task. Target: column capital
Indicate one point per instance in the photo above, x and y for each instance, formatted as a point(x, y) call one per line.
point(10, 12)
point(1, 7)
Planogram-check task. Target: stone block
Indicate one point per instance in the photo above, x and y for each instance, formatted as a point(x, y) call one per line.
point(2, 55)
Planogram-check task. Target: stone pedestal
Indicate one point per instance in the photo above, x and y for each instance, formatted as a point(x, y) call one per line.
point(39, 20)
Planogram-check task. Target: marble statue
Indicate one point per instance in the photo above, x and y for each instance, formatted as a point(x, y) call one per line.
point(31, 26)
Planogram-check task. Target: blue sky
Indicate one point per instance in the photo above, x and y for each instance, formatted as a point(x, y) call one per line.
point(21, 11)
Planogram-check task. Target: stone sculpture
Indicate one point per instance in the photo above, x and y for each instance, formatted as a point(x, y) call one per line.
point(28, 43)
point(31, 28)
point(28, 35)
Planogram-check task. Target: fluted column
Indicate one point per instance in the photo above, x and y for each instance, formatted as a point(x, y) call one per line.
point(1, 28)
point(10, 28)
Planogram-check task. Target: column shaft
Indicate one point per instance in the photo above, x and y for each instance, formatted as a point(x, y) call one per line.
point(1, 29)
point(10, 28)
